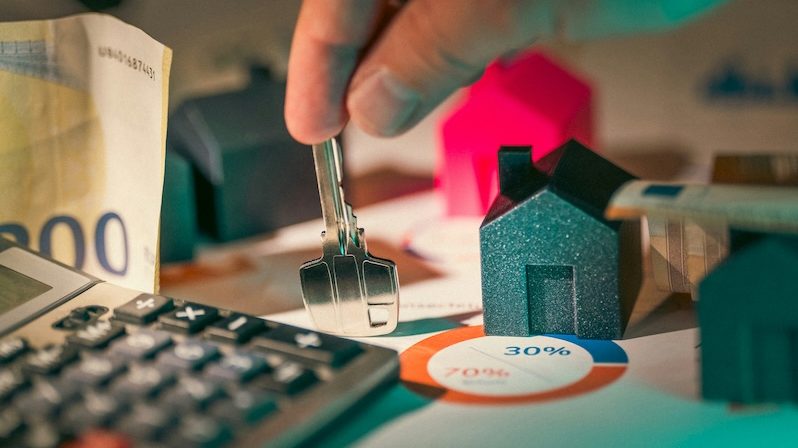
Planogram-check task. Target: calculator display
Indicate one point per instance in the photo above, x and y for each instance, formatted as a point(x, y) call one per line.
point(16, 288)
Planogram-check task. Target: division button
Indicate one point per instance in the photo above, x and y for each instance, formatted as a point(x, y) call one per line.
point(309, 345)
point(236, 328)
point(143, 309)
point(96, 335)
point(189, 318)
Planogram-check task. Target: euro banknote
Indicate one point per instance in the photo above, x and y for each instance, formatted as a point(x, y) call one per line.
point(689, 225)
point(756, 169)
point(83, 107)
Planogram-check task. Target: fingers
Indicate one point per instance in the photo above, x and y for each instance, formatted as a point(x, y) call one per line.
point(328, 39)
point(433, 47)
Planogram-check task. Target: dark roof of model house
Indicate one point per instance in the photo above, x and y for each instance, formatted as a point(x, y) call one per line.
point(572, 172)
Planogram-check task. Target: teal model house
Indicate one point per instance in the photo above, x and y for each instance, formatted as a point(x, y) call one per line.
point(550, 261)
point(748, 313)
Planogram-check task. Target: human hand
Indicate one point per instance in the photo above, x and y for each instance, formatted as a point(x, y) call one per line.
point(419, 54)
point(386, 67)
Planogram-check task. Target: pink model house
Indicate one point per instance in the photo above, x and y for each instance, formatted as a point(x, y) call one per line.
point(527, 99)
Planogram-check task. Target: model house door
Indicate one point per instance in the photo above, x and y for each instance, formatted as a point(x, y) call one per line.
point(550, 298)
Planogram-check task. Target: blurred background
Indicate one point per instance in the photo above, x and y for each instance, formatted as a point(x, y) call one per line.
point(662, 106)
point(652, 93)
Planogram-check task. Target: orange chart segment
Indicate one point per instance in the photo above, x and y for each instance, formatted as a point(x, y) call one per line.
point(463, 365)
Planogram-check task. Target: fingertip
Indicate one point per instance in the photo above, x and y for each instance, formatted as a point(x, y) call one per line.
point(310, 132)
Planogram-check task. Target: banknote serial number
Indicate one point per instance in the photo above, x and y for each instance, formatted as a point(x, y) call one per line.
point(123, 58)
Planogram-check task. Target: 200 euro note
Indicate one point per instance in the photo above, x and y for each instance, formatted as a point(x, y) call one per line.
point(689, 225)
point(83, 107)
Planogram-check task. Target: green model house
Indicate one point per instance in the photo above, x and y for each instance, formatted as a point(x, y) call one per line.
point(748, 313)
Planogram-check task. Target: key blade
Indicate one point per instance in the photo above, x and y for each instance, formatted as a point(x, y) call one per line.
point(327, 158)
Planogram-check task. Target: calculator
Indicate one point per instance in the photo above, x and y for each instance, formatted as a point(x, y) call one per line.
point(84, 363)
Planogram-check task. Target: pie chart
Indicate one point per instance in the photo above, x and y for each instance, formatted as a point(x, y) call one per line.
point(465, 366)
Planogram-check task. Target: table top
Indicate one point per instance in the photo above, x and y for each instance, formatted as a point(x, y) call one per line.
point(460, 388)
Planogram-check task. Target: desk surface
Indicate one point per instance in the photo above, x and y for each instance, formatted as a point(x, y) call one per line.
point(654, 401)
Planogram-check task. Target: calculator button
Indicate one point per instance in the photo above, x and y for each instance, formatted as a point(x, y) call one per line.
point(146, 421)
point(200, 431)
point(190, 355)
point(245, 407)
point(10, 423)
point(191, 393)
point(80, 317)
point(236, 328)
point(49, 359)
point(189, 318)
point(143, 309)
point(94, 410)
point(142, 381)
point(45, 398)
point(11, 348)
point(237, 367)
point(141, 344)
point(288, 378)
point(41, 434)
point(94, 370)
point(97, 334)
point(11, 382)
point(309, 345)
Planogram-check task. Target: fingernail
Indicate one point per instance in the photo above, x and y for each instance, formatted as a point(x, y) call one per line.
point(381, 103)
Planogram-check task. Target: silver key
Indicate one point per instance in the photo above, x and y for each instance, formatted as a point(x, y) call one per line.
point(347, 291)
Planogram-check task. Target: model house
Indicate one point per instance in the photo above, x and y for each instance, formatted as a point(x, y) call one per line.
point(551, 263)
point(530, 98)
point(748, 313)
point(250, 176)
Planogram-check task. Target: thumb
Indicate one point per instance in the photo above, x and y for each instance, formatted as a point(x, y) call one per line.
point(433, 47)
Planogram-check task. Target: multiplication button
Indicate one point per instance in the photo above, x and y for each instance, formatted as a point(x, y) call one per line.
point(189, 318)
point(143, 309)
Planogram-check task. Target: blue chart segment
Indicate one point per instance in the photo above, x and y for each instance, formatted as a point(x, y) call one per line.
point(463, 365)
